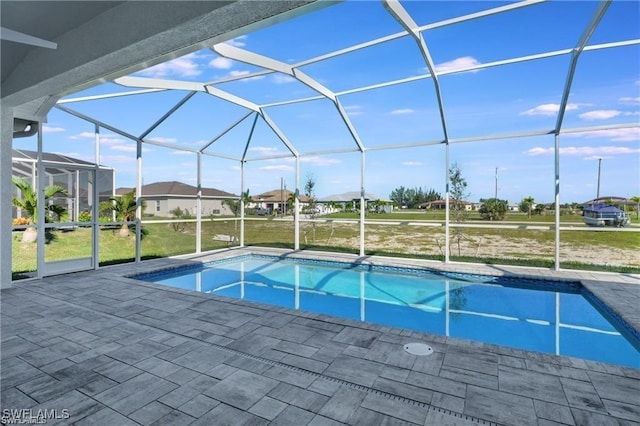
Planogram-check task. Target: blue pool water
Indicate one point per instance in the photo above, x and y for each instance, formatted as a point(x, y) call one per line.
point(519, 314)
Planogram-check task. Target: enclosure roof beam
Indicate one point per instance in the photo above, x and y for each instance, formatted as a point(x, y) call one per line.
point(214, 91)
point(98, 122)
point(401, 34)
point(402, 16)
point(167, 115)
point(602, 128)
point(246, 147)
point(225, 131)
point(582, 42)
point(108, 95)
point(285, 140)
point(226, 157)
point(245, 56)
point(519, 59)
point(159, 83)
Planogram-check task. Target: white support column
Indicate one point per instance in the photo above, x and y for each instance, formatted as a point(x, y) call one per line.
point(76, 198)
point(557, 203)
point(138, 200)
point(557, 325)
point(71, 182)
point(362, 297)
point(199, 204)
point(446, 204)
point(242, 206)
point(296, 287)
point(296, 208)
point(362, 206)
point(447, 322)
point(40, 207)
point(6, 195)
point(95, 206)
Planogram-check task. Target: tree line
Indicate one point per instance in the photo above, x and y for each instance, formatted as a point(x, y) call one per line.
point(413, 197)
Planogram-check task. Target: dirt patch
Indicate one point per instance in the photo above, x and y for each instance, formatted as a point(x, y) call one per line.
point(491, 246)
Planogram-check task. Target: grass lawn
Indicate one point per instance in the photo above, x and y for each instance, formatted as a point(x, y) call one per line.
point(509, 246)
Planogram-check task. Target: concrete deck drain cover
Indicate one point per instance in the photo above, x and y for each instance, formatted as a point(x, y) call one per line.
point(418, 349)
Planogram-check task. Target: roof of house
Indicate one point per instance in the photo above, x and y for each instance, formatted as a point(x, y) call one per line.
point(350, 196)
point(277, 195)
point(442, 202)
point(174, 188)
point(610, 200)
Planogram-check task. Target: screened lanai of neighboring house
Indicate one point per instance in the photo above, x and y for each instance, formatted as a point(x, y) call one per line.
point(519, 98)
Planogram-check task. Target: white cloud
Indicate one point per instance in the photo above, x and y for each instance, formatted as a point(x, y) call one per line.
point(277, 168)
point(263, 149)
point(584, 151)
point(320, 161)
point(83, 135)
point(77, 155)
point(221, 63)
point(117, 159)
point(458, 63)
point(107, 138)
point(186, 66)
point(161, 139)
point(549, 109)
point(52, 129)
point(629, 100)
point(353, 110)
point(631, 134)
point(177, 152)
point(128, 148)
point(238, 73)
point(412, 163)
point(402, 111)
point(601, 114)
point(283, 79)
point(597, 157)
point(238, 41)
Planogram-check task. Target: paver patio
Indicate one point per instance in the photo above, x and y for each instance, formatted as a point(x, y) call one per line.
point(113, 350)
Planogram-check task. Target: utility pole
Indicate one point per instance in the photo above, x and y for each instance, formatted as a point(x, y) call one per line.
point(496, 191)
point(598, 187)
point(281, 197)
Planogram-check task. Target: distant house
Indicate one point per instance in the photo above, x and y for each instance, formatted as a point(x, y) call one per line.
point(274, 201)
point(163, 197)
point(353, 197)
point(73, 174)
point(441, 205)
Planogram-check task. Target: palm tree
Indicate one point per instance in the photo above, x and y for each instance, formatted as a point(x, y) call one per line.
point(636, 199)
point(246, 198)
point(124, 206)
point(28, 203)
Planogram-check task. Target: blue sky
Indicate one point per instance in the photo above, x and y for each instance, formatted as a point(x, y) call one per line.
point(497, 100)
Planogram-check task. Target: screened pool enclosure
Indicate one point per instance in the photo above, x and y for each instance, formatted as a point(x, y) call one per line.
point(519, 98)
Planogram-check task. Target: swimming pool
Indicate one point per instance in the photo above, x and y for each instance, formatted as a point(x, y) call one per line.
point(553, 317)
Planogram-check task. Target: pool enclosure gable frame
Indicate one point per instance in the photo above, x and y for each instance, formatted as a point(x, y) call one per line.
point(269, 65)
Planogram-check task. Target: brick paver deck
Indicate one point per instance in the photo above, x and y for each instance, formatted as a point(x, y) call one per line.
point(112, 350)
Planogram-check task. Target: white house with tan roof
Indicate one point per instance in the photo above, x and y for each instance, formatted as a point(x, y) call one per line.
point(161, 198)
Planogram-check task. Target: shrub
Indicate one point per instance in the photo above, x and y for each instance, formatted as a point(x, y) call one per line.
point(84, 216)
point(493, 209)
